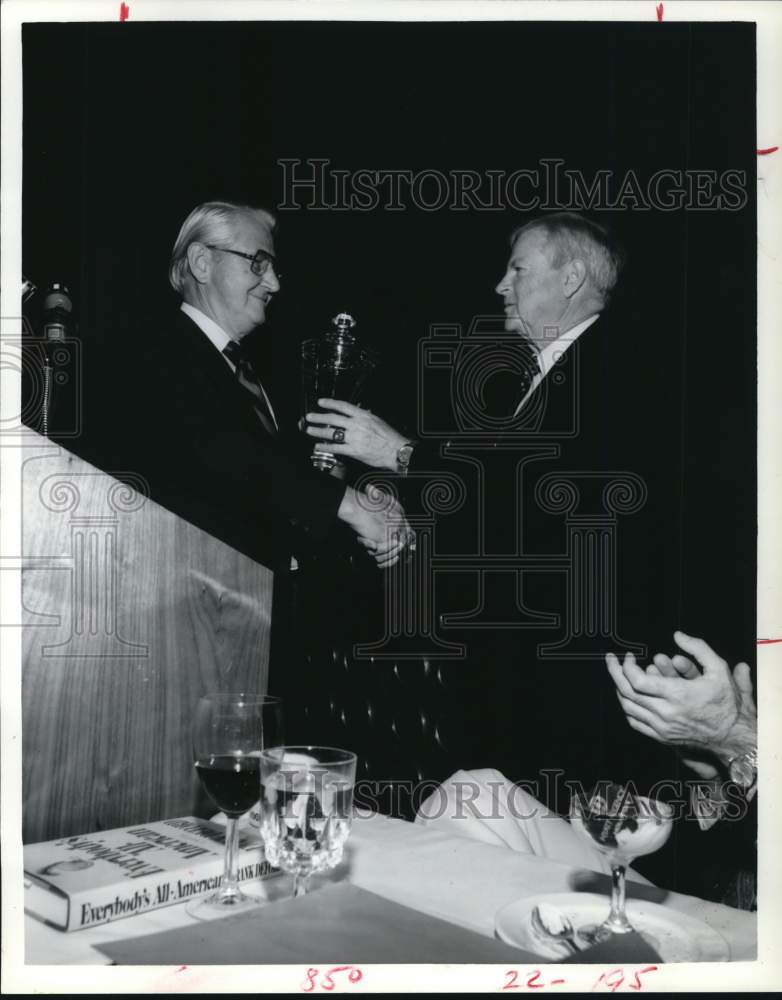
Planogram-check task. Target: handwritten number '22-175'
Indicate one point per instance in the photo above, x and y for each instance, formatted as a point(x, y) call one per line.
point(611, 980)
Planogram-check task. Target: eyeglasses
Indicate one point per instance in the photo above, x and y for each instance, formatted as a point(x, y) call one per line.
point(260, 261)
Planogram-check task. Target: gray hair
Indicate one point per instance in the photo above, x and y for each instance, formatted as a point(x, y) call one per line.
point(212, 222)
point(573, 236)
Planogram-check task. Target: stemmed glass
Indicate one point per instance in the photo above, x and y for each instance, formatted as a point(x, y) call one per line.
point(306, 808)
point(229, 733)
point(623, 826)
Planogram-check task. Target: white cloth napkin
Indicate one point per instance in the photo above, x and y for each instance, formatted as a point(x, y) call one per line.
point(484, 805)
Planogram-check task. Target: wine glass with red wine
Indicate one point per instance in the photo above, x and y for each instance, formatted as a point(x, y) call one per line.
point(229, 732)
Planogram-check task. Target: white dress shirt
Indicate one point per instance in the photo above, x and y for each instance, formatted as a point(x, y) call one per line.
point(220, 339)
point(553, 352)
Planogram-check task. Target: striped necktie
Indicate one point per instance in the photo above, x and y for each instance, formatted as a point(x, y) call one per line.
point(517, 383)
point(531, 368)
point(246, 377)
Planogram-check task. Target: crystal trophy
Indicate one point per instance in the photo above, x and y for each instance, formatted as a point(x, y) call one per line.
point(333, 366)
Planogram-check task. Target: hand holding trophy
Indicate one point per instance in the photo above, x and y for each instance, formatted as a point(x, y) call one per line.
point(333, 366)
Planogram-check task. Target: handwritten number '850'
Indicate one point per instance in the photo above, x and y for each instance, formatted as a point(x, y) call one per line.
point(327, 983)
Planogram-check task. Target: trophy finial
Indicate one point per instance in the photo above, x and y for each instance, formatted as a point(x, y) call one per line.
point(343, 322)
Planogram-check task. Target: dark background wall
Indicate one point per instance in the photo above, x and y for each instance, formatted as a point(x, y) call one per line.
point(128, 126)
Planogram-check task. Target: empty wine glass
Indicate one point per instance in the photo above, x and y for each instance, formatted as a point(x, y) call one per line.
point(306, 808)
point(623, 826)
point(229, 732)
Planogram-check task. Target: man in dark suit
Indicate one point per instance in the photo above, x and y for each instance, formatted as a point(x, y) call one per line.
point(575, 499)
point(196, 422)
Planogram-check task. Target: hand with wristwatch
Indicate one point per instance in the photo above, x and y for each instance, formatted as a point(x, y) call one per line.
point(356, 433)
point(694, 702)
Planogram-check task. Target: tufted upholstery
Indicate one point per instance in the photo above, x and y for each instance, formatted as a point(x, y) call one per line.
point(401, 716)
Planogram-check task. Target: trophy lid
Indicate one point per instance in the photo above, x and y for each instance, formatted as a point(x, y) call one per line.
point(343, 323)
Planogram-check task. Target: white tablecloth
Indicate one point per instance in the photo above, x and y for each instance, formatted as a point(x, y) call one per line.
point(460, 880)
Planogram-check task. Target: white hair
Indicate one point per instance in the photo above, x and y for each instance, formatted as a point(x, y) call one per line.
point(574, 236)
point(213, 222)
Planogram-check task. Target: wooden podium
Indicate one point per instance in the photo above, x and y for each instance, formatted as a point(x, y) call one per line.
point(130, 615)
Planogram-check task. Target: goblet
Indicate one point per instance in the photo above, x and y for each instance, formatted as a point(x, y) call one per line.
point(623, 826)
point(306, 808)
point(229, 732)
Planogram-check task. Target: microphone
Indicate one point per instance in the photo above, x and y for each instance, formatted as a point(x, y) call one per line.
point(57, 309)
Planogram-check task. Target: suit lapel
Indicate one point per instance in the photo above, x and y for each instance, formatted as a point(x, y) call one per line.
point(202, 357)
point(554, 404)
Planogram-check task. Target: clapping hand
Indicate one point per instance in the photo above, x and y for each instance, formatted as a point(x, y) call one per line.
point(677, 666)
point(678, 701)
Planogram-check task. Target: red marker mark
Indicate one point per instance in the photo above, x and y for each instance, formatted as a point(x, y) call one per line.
point(765, 152)
point(611, 980)
point(181, 968)
point(659, 8)
point(766, 642)
point(637, 976)
point(355, 975)
point(556, 982)
point(124, 11)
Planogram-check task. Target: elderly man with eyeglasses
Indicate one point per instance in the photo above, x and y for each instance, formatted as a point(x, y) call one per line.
point(203, 431)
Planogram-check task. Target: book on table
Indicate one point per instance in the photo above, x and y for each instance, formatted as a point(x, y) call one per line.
point(82, 881)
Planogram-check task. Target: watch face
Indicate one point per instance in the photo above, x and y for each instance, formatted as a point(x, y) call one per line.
point(742, 772)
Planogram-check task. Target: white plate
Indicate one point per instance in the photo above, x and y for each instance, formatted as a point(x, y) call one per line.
point(675, 936)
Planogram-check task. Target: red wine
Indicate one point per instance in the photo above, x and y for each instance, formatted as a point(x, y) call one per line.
point(233, 782)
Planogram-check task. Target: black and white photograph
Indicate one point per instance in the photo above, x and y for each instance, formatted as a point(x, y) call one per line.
point(390, 496)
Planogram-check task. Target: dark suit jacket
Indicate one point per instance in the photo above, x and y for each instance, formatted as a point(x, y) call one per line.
point(602, 410)
point(176, 416)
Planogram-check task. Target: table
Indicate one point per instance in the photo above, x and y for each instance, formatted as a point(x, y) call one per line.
point(457, 879)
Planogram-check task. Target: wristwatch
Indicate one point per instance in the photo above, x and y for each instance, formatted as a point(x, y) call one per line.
point(743, 768)
point(403, 456)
